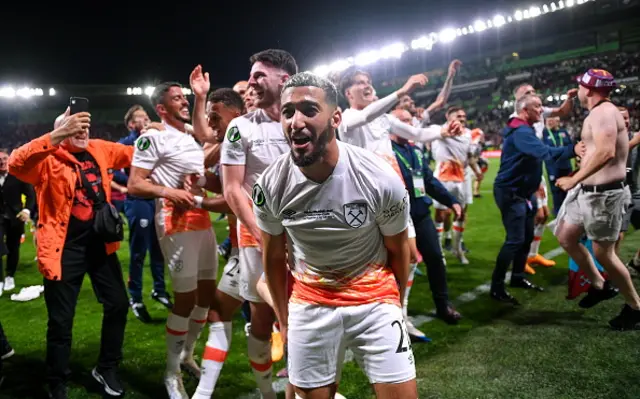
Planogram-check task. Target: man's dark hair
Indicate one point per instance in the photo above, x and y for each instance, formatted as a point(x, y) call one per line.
point(129, 115)
point(349, 79)
point(157, 97)
point(453, 109)
point(227, 97)
point(303, 79)
point(277, 58)
point(520, 86)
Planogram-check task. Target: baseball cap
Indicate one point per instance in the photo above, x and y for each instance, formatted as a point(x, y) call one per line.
point(598, 79)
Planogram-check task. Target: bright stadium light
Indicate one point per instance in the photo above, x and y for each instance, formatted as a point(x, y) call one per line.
point(447, 35)
point(458, 32)
point(561, 4)
point(322, 70)
point(367, 57)
point(479, 26)
point(526, 14)
point(553, 7)
point(186, 91)
point(518, 15)
point(340, 65)
point(52, 91)
point(534, 12)
point(148, 90)
point(465, 31)
point(7, 92)
point(563, 97)
point(545, 8)
point(550, 98)
point(394, 50)
point(509, 19)
point(569, 3)
point(498, 21)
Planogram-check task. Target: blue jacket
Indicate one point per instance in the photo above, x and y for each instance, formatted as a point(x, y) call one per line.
point(522, 156)
point(420, 207)
point(122, 176)
point(558, 138)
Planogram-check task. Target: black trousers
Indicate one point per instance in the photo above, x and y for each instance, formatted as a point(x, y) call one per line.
point(61, 298)
point(429, 247)
point(10, 233)
point(518, 219)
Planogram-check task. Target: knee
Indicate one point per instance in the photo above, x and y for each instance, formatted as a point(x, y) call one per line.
point(567, 242)
point(118, 305)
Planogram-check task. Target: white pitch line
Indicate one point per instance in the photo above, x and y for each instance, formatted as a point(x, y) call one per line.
point(280, 384)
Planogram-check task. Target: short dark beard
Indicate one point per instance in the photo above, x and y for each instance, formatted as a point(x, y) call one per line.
point(319, 149)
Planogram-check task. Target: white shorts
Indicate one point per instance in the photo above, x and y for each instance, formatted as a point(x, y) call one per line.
point(457, 189)
point(411, 230)
point(469, 176)
point(251, 270)
point(230, 279)
point(190, 256)
point(318, 337)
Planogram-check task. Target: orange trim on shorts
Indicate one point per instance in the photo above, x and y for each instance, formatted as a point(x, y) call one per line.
point(175, 332)
point(178, 220)
point(451, 171)
point(376, 285)
point(214, 354)
point(537, 238)
point(233, 230)
point(245, 238)
point(261, 367)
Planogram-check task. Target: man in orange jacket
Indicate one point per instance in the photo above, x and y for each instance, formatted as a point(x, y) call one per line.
point(68, 247)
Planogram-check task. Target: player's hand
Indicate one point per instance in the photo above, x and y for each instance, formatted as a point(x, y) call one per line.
point(71, 125)
point(580, 149)
point(451, 129)
point(545, 209)
point(454, 67)
point(153, 125)
point(180, 198)
point(457, 210)
point(23, 216)
point(573, 93)
point(540, 192)
point(199, 82)
point(413, 83)
point(566, 183)
point(419, 112)
point(284, 331)
point(257, 234)
point(190, 184)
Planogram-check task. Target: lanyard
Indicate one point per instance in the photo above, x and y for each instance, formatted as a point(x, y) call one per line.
point(406, 163)
point(553, 138)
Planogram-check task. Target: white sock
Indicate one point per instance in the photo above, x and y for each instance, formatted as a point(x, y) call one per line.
point(538, 230)
point(177, 328)
point(405, 304)
point(197, 322)
point(215, 353)
point(447, 234)
point(260, 357)
point(458, 230)
point(440, 231)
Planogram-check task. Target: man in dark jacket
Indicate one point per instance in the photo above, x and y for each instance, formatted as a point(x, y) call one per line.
point(13, 215)
point(514, 190)
point(554, 136)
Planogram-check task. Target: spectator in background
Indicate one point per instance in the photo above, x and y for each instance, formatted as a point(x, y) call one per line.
point(555, 136)
point(60, 165)
point(13, 215)
point(140, 214)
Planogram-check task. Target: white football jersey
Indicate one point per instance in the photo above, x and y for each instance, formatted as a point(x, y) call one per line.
point(335, 229)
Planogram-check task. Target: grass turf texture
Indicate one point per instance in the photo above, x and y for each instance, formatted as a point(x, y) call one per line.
point(548, 348)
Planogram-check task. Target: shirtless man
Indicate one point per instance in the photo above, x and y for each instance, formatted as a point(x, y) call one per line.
point(597, 204)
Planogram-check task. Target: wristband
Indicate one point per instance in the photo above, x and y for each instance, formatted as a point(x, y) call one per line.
point(202, 180)
point(198, 200)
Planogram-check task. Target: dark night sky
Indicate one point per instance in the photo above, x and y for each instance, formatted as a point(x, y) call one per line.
point(135, 43)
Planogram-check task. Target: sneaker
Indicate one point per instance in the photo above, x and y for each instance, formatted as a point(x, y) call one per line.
point(528, 269)
point(175, 387)
point(628, 319)
point(595, 296)
point(464, 248)
point(9, 283)
point(190, 366)
point(414, 333)
point(540, 260)
point(462, 257)
point(163, 298)
point(6, 351)
point(140, 311)
point(247, 329)
point(109, 380)
point(59, 392)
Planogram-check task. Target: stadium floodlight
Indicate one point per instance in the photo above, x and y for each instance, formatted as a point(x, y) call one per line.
point(569, 3)
point(129, 91)
point(534, 11)
point(471, 30)
point(553, 7)
point(340, 65)
point(52, 91)
point(498, 21)
point(479, 26)
point(447, 35)
point(322, 70)
point(186, 91)
point(563, 97)
point(550, 98)
point(561, 4)
point(458, 32)
point(518, 15)
point(367, 57)
point(545, 8)
point(394, 50)
point(526, 14)
point(465, 31)
point(7, 92)
point(509, 19)
point(149, 90)
point(489, 23)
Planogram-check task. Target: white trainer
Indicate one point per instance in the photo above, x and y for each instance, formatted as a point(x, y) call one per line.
point(9, 283)
point(190, 366)
point(175, 387)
